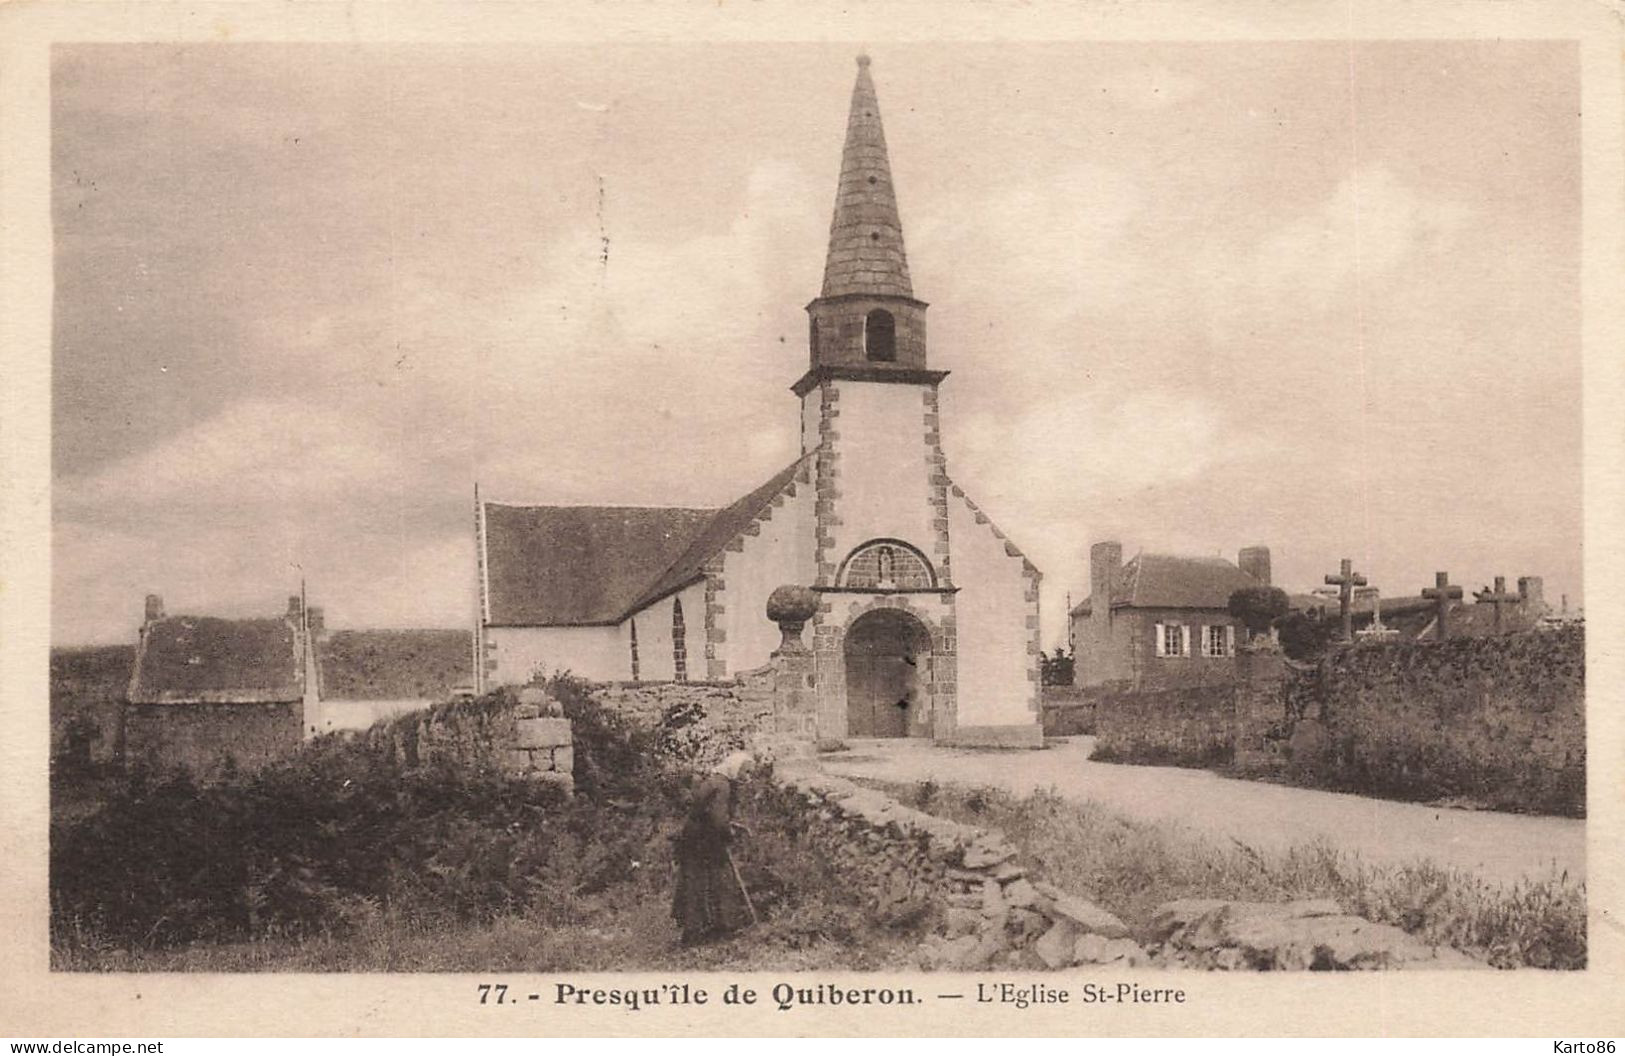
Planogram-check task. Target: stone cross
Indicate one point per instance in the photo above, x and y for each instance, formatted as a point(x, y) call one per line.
point(1441, 594)
point(1497, 597)
point(1345, 582)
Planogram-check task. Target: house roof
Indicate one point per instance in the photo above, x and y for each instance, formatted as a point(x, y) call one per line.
point(1167, 581)
point(560, 566)
point(195, 659)
point(393, 664)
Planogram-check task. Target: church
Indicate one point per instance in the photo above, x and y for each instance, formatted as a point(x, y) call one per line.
point(927, 622)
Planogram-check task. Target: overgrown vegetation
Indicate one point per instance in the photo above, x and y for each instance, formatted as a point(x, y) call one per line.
point(348, 857)
point(1132, 867)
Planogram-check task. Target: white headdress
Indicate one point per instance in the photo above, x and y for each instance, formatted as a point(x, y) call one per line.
point(734, 765)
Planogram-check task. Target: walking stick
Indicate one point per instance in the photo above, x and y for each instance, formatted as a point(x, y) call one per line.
point(743, 890)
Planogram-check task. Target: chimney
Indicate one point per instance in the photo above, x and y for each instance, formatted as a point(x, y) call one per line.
point(296, 607)
point(1532, 595)
point(155, 607)
point(1105, 566)
point(1255, 561)
point(315, 620)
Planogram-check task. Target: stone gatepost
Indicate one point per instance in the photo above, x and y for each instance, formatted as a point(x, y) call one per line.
point(795, 703)
point(543, 747)
point(1260, 706)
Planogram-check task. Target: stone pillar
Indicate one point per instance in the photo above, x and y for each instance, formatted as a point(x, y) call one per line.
point(543, 747)
point(1260, 705)
point(795, 703)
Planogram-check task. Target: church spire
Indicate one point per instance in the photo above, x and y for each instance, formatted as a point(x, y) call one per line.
point(866, 237)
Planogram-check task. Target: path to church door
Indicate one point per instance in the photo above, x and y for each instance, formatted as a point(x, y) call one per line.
point(888, 662)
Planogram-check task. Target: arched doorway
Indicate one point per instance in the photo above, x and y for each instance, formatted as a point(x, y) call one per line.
point(888, 675)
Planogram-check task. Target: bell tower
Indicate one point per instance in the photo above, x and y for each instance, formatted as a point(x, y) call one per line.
point(869, 403)
point(866, 319)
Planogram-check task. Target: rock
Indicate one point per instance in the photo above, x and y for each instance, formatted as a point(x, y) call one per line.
point(527, 711)
point(541, 700)
point(1020, 894)
point(986, 852)
point(1024, 924)
point(1170, 917)
point(564, 758)
point(962, 921)
point(542, 733)
point(1088, 916)
point(958, 953)
point(1005, 872)
point(1055, 947)
point(516, 760)
point(1097, 949)
point(992, 900)
point(1307, 934)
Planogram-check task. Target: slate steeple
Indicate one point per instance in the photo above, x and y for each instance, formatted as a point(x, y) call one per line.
point(866, 321)
point(866, 252)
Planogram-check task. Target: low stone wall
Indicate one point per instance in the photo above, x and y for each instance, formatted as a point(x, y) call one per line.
point(202, 737)
point(1186, 726)
point(770, 710)
point(1068, 711)
point(988, 911)
point(523, 734)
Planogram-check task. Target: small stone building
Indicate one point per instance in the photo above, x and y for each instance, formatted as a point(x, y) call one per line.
point(1161, 620)
point(927, 622)
point(205, 689)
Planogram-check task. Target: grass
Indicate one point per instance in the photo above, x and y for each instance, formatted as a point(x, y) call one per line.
point(1131, 867)
point(349, 856)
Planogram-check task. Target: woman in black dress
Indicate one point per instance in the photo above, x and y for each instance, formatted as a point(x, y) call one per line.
point(708, 901)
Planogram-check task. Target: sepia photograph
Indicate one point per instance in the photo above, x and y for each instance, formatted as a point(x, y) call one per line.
point(958, 514)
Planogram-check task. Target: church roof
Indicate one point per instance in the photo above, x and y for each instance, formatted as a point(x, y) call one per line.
point(866, 253)
point(549, 566)
point(728, 523)
point(205, 659)
point(560, 566)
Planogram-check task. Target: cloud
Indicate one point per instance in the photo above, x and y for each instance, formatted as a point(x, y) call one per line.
point(1053, 238)
point(1370, 229)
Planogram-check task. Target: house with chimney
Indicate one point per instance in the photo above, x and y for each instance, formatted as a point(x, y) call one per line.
point(1161, 620)
point(927, 618)
point(204, 690)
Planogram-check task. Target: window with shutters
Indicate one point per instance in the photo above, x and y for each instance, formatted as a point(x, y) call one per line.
point(679, 643)
point(1173, 639)
point(1216, 639)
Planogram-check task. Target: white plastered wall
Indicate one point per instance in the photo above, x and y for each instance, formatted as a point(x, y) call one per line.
point(781, 553)
point(991, 624)
point(656, 660)
point(884, 480)
point(596, 653)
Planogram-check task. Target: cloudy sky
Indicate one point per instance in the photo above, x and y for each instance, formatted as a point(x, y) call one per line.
point(1193, 297)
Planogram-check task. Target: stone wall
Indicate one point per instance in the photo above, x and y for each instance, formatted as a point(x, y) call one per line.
point(523, 734)
point(1187, 726)
point(1069, 711)
point(985, 909)
point(771, 710)
point(1499, 721)
point(202, 737)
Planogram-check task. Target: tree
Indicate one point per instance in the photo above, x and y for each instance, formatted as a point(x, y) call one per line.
point(1056, 670)
point(1259, 607)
